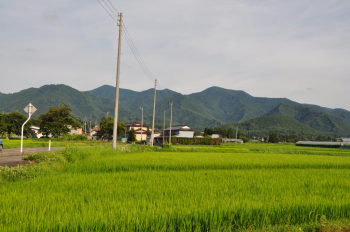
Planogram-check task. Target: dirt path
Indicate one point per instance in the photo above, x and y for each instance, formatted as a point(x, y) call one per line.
point(13, 157)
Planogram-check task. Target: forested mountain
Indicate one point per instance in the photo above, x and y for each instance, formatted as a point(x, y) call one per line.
point(212, 107)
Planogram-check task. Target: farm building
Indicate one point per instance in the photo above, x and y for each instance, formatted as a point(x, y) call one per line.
point(176, 131)
point(345, 145)
point(179, 131)
point(226, 140)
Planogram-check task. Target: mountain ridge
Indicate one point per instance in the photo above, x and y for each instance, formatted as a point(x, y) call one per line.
point(212, 107)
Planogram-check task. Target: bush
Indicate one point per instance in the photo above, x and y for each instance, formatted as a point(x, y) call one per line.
point(75, 137)
point(18, 172)
point(196, 141)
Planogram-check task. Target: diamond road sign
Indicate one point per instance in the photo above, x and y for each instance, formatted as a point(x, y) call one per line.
point(30, 109)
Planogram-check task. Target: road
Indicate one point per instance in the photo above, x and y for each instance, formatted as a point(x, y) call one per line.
point(12, 157)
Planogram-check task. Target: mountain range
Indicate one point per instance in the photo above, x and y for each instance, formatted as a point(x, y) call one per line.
point(213, 107)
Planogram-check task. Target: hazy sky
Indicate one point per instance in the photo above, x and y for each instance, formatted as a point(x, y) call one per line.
point(297, 49)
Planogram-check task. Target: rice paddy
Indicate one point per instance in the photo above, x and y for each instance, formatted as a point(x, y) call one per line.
point(217, 188)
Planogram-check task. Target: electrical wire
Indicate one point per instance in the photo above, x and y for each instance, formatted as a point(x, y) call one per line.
point(112, 12)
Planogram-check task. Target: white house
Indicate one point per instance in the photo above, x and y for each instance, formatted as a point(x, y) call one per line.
point(36, 131)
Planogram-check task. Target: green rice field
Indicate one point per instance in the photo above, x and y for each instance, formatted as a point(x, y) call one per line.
point(249, 187)
point(16, 143)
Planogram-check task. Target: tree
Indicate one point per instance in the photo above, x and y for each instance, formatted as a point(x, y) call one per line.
point(273, 138)
point(132, 136)
point(12, 124)
point(230, 133)
point(58, 121)
point(106, 128)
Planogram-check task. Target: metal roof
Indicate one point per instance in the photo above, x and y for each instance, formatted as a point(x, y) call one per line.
point(182, 128)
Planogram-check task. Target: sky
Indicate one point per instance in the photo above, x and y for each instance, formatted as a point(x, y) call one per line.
point(296, 49)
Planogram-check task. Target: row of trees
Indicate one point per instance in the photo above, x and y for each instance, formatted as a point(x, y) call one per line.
point(56, 122)
point(11, 123)
point(272, 137)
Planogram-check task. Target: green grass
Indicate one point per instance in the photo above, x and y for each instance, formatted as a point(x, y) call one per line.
point(28, 143)
point(138, 189)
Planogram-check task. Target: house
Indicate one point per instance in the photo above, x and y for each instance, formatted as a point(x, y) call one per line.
point(176, 131)
point(179, 131)
point(226, 140)
point(216, 136)
point(140, 131)
point(36, 129)
point(77, 131)
point(157, 136)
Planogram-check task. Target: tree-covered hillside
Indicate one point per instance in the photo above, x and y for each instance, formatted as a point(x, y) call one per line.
point(212, 107)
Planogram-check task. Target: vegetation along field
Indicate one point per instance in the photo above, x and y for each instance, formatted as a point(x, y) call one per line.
point(250, 187)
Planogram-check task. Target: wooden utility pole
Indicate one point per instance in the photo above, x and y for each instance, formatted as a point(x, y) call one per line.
point(154, 111)
point(171, 120)
point(236, 134)
point(116, 106)
point(141, 107)
point(164, 127)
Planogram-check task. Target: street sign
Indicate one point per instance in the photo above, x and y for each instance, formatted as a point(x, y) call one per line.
point(30, 109)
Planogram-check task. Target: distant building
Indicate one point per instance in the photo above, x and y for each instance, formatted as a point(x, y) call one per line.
point(323, 144)
point(179, 131)
point(215, 136)
point(36, 129)
point(77, 131)
point(232, 140)
point(139, 131)
point(346, 140)
point(176, 131)
point(157, 136)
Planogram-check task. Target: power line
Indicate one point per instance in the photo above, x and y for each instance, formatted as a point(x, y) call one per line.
point(108, 11)
point(111, 10)
point(137, 55)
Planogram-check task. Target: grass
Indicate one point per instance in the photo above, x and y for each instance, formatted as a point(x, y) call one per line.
point(141, 189)
point(28, 143)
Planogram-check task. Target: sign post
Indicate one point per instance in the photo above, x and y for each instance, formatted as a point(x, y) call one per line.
point(30, 109)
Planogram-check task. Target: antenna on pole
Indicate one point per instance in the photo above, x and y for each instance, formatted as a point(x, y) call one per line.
point(154, 111)
point(116, 106)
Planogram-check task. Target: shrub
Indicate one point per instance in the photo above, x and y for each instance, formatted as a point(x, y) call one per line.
point(75, 137)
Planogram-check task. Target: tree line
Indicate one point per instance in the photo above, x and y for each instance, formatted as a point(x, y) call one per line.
point(57, 122)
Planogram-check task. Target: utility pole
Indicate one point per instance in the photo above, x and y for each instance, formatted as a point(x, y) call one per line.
point(116, 106)
point(171, 120)
point(141, 107)
point(164, 127)
point(236, 134)
point(90, 129)
point(154, 111)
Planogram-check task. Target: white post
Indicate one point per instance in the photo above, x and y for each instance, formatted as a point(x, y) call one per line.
point(22, 132)
point(50, 145)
